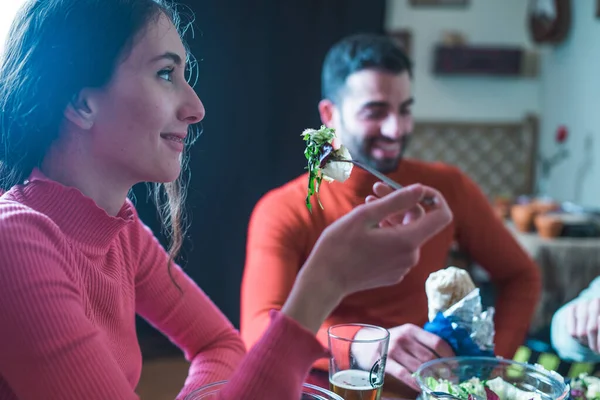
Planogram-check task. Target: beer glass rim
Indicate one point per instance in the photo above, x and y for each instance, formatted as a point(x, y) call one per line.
point(385, 333)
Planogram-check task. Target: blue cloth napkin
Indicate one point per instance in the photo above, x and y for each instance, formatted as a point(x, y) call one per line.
point(458, 338)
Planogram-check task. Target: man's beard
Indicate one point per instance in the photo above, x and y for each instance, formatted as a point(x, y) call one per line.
point(360, 149)
point(384, 165)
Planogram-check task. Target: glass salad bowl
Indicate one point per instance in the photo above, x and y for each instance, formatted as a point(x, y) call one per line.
point(309, 392)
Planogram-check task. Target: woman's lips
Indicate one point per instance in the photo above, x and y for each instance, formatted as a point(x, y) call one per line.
point(174, 141)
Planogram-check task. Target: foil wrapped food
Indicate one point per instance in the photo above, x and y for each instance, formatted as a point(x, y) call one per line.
point(456, 313)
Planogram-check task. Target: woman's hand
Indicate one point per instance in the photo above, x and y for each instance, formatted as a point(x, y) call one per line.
point(374, 245)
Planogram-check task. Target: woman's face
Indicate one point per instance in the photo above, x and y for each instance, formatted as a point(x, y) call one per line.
point(141, 117)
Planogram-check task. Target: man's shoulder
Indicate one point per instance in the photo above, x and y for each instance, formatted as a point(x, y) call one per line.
point(284, 202)
point(430, 173)
point(451, 181)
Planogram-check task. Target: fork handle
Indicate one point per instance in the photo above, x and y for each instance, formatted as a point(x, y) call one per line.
point(428, 201)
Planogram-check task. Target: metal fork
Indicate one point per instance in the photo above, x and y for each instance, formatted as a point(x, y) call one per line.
point(428, 201)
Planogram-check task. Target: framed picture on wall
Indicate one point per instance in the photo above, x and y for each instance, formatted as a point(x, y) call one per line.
point(597, 8)
point(404, 39)
point(453, 3)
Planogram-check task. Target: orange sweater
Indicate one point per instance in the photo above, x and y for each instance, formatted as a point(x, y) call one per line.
point(282, 233)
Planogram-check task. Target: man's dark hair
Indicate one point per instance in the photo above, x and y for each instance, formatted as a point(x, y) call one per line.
point(358, 52)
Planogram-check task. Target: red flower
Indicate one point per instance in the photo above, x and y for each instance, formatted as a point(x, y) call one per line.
point(561, 134)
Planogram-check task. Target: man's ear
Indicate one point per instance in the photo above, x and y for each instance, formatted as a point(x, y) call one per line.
point(80, 110)
point(326, 111)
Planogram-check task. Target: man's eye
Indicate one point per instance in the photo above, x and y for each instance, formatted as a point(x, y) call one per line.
point(374, 114)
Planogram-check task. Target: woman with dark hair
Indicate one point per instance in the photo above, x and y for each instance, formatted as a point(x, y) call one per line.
point(93, 100)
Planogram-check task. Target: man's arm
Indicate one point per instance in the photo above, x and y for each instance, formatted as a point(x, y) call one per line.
point(273, 260)
point(515, 275)
point(279, 241)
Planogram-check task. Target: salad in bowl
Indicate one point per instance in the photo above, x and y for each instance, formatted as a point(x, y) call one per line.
point(585, 387)
point(489, 378)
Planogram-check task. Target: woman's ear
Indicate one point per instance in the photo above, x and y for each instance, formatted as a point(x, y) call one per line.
point(80, 110)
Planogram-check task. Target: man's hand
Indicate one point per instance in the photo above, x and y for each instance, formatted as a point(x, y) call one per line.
point(410, 346)
point(582, 323)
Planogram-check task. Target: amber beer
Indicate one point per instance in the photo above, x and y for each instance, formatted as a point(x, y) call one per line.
point(354, 384)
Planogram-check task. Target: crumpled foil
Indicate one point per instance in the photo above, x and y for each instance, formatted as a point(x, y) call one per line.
point(468, 314)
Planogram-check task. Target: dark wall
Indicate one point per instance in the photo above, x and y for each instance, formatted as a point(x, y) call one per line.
point(260, 83)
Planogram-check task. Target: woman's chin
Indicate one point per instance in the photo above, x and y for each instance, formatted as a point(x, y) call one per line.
point(167, 175)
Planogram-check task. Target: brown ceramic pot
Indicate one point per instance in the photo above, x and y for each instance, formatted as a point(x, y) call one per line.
point(548, 226)
point(522, 216)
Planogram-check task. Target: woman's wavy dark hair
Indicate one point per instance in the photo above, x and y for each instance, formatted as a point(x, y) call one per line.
point(54, 49)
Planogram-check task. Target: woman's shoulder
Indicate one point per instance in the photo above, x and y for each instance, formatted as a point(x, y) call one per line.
point(21, 223)
point(11, 209)
point(33, 248)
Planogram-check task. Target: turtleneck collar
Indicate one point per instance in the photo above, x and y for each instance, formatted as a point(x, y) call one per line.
point(77, 215)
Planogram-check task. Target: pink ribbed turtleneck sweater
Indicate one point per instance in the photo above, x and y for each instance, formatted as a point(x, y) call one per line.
point(72, 279)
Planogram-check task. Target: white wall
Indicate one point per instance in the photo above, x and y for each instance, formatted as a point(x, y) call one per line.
point(8, 9)
point(500, 22)
point(570, 95)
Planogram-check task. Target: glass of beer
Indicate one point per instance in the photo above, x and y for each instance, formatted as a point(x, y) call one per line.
point(357, 363)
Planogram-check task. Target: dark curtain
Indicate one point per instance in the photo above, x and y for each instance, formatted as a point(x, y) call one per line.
point(259, 79)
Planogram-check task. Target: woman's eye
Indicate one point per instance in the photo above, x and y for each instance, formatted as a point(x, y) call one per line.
point(166, 74)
